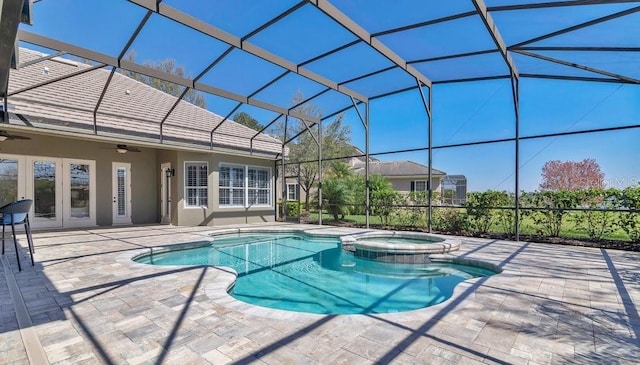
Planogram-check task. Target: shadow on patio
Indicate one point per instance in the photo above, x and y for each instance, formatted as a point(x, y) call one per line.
point(86, 306)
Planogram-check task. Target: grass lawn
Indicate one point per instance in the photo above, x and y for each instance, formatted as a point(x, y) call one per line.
point(569, 229)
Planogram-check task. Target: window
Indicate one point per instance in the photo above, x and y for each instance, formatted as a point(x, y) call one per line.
point(238, 182)
point(292, 191)
point(231, 186)
point(195, 184)
point(419, 186)
point(80, 190)
point(259, 186)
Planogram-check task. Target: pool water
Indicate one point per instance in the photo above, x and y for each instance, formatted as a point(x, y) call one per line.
point(304, 274)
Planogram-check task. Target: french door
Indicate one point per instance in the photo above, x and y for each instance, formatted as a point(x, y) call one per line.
point(63, 190)
point(78, 193)
point(44, 186)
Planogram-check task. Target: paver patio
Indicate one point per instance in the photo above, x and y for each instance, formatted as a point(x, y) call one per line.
point(88, 303)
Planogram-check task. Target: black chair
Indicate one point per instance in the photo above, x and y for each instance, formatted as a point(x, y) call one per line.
point(16, 213)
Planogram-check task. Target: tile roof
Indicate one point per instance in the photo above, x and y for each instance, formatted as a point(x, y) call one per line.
point(129, 107)
point(396, 169)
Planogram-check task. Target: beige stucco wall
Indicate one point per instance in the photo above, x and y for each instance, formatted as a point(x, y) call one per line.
point(171, 157)
point(213, 214)
point(404, 184)
point(145, 179)
point(143, 171)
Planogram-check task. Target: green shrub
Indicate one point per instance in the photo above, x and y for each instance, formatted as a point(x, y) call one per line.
point(630, 221)
point(411, 217)
point(596, 224)
point(293, 208)
point(336, 197)
point(506, 218)
point(358, 194)
point(555, 206)
point(481, 218)
point(449, 220)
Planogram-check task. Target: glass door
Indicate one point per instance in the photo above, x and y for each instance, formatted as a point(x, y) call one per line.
point(10, 188)
point(44, 187)
point(121, 193)
point(79, 192)
point(63, 190)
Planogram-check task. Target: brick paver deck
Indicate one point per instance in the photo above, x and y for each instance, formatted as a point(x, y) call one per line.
point(88, 303)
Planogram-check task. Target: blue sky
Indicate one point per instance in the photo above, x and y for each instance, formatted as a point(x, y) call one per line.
point(463, 112)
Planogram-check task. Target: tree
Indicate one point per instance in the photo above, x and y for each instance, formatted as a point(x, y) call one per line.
point(336, 142)
point(630, 221)
point(247, 120)
point(335, 138)
point(383, 197)
point(169, 66)
point(571, 175)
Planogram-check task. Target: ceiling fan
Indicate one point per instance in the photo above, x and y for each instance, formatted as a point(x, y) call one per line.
point(123, 148)
point(4, 136)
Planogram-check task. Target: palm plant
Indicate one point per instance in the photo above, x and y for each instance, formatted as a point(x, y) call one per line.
point(336, 196)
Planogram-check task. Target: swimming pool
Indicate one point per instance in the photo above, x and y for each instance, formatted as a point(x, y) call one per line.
point(296, 272)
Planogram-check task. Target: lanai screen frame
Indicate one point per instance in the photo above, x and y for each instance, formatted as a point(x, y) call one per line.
point(357, 99)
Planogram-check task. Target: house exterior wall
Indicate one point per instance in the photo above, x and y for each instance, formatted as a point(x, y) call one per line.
point(143, 171)
point(146, 180)
point(403, 185)
point(171, 157)
point(213, 213)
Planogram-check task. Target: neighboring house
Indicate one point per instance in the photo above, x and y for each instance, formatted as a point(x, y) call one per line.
point(79, 164)
point(405, 176)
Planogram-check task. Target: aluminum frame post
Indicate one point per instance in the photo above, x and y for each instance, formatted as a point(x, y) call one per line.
point(275, 190)
point(284, 172)
point(427, 103)
point(5, 111)
point(319, 172)
point(515, 88)
point(430, 218)
point(298, 190)
point(10, 14)
point(366, 167)
point(365, 123)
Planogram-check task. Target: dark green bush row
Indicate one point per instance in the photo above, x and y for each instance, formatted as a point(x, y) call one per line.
point(596, 213)
point(549, 210)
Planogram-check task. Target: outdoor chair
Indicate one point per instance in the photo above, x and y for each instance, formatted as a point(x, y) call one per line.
point(17, 213)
